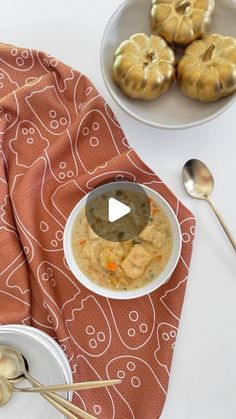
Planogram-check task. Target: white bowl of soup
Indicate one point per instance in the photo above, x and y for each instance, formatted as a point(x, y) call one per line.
point(128, 269)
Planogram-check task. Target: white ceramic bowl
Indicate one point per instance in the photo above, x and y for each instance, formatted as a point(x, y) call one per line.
point(173, 110)
point(47, 362)
point(129, 294)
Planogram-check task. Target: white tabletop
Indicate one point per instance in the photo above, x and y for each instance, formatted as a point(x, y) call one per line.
point(203, 379)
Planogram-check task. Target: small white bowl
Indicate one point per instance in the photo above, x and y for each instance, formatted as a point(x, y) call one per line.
point(172, 110)
point(129, 294)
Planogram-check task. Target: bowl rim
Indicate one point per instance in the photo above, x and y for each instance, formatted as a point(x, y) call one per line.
point(129, 294)
point(53, 346)
point(132, 114)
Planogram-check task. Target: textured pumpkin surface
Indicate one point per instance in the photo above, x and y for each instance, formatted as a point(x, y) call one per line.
point(181, 21)
point(207, 70)
point(144, 67)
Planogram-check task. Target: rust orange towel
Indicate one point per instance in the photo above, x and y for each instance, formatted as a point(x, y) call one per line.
point(59, 139)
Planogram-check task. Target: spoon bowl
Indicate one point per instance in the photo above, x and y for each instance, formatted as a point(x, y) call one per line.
point(6, 391)
point(22, 376)
point(197, 179)
point(199, 184)
point(12, 365)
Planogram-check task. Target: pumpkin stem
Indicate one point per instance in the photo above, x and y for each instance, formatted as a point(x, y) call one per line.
point(208, 54)
point(149, 57)
point(183, 6)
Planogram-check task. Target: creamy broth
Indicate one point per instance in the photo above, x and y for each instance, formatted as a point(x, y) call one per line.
point(126, 265)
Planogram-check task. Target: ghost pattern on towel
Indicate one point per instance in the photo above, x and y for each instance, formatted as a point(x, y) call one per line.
point(132, 327)
point(53, 66)
point(58, 140)
point(166, 337)
point(137, 376)
point(29, 144)
point(54, 115)
point(94, 134)
point(52, 281)
point(45, 230)
point(94, 334)
point(66, 168)
point(6, 85)
point(18, 59)
point(84, 94)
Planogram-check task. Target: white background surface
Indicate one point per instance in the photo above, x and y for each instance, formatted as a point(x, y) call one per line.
point(203, 379)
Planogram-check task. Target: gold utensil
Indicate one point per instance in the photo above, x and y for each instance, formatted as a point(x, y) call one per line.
point(53, 397)
point(7, 390)
point(64, 403)
point(69, 387)
point(199, 183)
point(13, 367)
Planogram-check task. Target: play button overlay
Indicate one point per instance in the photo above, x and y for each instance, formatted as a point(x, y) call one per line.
point(118, 211)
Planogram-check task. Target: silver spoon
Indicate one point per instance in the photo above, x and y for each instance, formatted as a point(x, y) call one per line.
point(13, 367)
point(199, 183)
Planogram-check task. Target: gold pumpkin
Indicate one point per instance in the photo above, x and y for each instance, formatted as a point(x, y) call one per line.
point(181, 21)
point(207, 70)
point(144, 67)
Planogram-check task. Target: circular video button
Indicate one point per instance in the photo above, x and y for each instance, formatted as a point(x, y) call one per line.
point(118, 211)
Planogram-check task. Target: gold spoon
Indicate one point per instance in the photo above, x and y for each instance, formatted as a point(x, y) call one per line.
point(13, 367)
point(9, 369)
point(199, 183)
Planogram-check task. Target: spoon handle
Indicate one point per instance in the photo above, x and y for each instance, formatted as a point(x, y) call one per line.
point(218, 215)
point(59, 402)
point(69, 387)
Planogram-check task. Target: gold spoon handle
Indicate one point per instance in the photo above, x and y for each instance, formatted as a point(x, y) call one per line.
point(60, 402)
point(56, 404)
point(70, 387)
point(218, 215)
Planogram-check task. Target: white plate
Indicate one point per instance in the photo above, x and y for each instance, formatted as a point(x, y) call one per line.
point(172, 110)
point(47, 363)
point(135, 293)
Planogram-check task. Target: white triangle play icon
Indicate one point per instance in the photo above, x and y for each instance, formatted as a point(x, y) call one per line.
point(117, 210)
